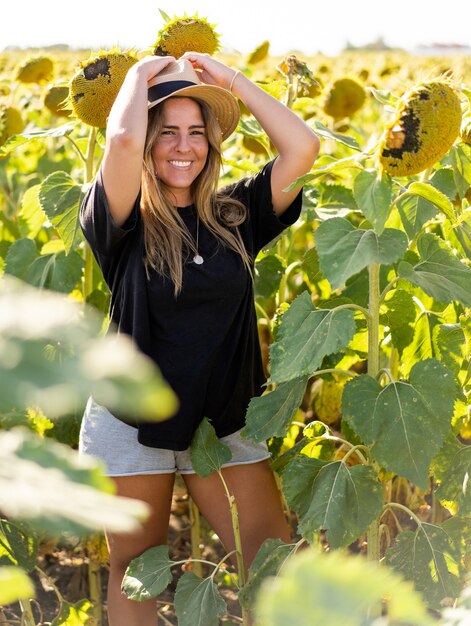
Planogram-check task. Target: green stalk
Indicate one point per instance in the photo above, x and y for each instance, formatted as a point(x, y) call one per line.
point(373, 533)
point(27, 617)
point(238, 544)
point(88, 176)
point(195, 530)
point(94, 583)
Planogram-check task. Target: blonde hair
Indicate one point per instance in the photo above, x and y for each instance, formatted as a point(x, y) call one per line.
point(165, 233)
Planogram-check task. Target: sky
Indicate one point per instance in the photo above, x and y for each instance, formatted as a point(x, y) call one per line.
point(307, 26)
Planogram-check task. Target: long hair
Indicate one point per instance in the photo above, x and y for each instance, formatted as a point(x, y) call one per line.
point(165, 233)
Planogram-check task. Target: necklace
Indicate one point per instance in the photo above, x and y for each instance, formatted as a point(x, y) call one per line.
point(198, 259)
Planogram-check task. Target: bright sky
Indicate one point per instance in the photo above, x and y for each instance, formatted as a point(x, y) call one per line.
point(308, 26)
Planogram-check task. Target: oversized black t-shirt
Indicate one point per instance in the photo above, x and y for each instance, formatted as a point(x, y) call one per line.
point(204, 340)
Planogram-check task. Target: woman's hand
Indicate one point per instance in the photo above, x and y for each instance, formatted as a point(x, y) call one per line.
point(210, 70)
point(152, 65)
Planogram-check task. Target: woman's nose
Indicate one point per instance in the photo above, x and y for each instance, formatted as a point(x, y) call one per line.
point(183, 144)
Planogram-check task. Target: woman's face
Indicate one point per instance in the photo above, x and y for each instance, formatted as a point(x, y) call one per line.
point(181, 149)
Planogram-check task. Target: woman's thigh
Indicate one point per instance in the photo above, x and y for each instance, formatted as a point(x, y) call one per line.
point(156, 490)
point(258, 501)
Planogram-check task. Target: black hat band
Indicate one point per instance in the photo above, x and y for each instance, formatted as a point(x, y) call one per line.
point(156, 92)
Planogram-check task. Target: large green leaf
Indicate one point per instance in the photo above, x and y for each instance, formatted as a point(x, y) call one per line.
point(398, 313)
point(345, 250)
point(415, 211)
point(51, 357)
point(434, 196)
point(208, 454)
point(270, 415)
point(272, 555)
point(268, 273)
point(31, 216)
point(439, 273)
point(17, 141)
point(48, 484)
point(306, 335)
point(347, 140)
point(148, 575)
point(429, 558)
point(20, 544)
point(332, 496)
point(50, 271)
point(315, 589)
point(421, 347)
point(197, 601)
point(405, 423)
point(60, 199)
point(452, 468)
point(78, 614)
point(460, 156)
point(373, 195)
point(450, 344)
point(15, 584)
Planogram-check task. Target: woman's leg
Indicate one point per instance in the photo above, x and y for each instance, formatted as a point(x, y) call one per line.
point(256, 494)
point(156, 490)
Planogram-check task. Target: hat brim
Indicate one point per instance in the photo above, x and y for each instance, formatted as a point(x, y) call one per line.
point(222, 103)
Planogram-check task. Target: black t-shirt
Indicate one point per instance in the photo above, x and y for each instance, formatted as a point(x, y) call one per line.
point(204, 340)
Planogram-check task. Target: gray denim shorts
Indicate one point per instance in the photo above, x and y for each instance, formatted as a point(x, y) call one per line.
point(115, 443)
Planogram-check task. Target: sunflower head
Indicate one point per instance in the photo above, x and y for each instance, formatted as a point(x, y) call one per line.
point(259, 54)
point(11, 122)
point(186, 34)
point(426, 123)
point(94, 88)
point(35, 70)
point(343, 98)
point(56, 100)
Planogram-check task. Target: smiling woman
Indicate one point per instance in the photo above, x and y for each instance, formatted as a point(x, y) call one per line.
point(178, 255)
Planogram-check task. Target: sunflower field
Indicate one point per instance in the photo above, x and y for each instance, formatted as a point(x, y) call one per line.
point(364, 317)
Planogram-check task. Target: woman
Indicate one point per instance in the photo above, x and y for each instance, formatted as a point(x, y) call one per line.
point(178, 258)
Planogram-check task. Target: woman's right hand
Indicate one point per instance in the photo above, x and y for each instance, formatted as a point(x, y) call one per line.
point(152, 65)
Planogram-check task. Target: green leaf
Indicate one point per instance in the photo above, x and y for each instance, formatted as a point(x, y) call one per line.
point(450, 342)
point(451, 467)
point(462, 231)
point(306, 336)
point(271, 414)
point(373, 195)
point(398, 313)
point(60, 199)
point(15, 584)
point(273, 554)
point(460, 156)
point(148, 575)
point(414, 212)
point(421, 347)
point(310, 265)
point(332, 496)
point(336, 589)
point(77, 614)
point(405, 423)
point(428, 557)
point(345, 250)
point(197, 601)
point(439, 273)
point(434, 196)
point(49, 484)
point(50, 271)
point(16, 141)
point(268, 273)
point(327, 133)
point(31, 217)
point(208, 454)
point(51, 356)
point(21, 546)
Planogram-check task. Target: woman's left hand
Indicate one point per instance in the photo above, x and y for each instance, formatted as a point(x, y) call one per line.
point(210, 70)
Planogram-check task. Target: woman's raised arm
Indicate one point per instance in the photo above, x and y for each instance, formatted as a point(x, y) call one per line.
point(296, 143)
point(125, 137)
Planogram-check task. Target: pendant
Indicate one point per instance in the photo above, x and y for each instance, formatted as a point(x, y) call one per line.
point(198, 259)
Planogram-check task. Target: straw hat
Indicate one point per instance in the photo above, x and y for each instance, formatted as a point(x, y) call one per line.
point(180, 79)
